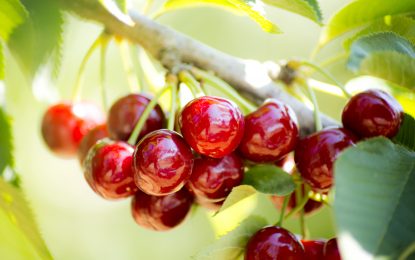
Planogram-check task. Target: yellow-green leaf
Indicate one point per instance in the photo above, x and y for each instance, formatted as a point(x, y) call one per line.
point(307, 8)
point(238, 194)
point(12, 13)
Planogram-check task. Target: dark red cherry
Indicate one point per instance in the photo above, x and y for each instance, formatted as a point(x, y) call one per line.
point(65, 124)
point(212, 126)
point(125, 113)
point(315, 155)
point(373, 113)
point(162, 163)
point(213, 179)
point(108, 169)
point(313, 249)
point(270, 132)
point(272, 243)
point(331, 250)
point(97, 133)
point(161, 212)
point(287, 163)
point(310, 207)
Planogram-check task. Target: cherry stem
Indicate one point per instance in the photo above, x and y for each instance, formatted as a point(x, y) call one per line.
point(407, 252)
point(137, 129)
point(283, 208)
point(76, 95)
point(299, 205)
point(171, 82)
point(128, 67)
point(104, 45)
point(224, 87)
point(317, 118)
point(135, 50)
point(192, 83)
point(298, 197)
point(327, 75)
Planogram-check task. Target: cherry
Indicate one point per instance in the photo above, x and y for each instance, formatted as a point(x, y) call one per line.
point(287, 163)
point(331, 250)
point(270, 132)
point(272, 243)
point(212, 126)
point(161, 212)
point(125, 113)
point(313, 249)
point(65, 124)
point(310, 207)
point(315, 155)
point(373, 113)
point(108, 169)
point(97, 133)
point(213, 179)
point(162, 163)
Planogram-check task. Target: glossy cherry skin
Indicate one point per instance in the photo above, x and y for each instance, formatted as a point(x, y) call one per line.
point(373, 113)
point(331, 250)
point(162, 163)
point(212, 126)
point(272, 243)
point(108, 169)
point(310, 207)
point(315, 155)
point(213, 179)
point(161, 212)
point(65, 124)
point(313, 249)
point(270, 132)
point(125, 113)
point(97, 133)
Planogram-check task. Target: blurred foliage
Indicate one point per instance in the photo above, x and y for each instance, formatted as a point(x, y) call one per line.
point(6, 140)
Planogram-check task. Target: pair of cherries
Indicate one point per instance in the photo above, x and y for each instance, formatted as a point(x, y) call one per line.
point(275, 242)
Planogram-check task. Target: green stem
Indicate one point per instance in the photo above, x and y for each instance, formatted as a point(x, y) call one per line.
point(283, 208)
point(76, 95)
point(300, 205)
point(333, 59)
point(192, 83)
point(298, 197)
point(328, 76)
point(137, 129)
point(317, 118)
point(104, 45)
point(135, 50)
point(171, 82)
point(128, 67)
point(224, 87)
point(410, 250)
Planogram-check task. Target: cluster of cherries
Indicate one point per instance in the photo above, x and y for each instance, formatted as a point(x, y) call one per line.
point(166, 171)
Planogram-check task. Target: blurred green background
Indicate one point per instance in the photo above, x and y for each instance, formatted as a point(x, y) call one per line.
point(74, 221)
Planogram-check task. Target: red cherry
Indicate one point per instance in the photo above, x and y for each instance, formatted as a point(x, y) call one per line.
point(310, 207)
point(373, 113)
point(65, 124)
point(287, 163)
point(97, 133)
point(125, 113)
point(162, 163)
point(270, 132)
point(212, 126)
point(108, 169)
point(272, 243)
point(161, 212)
point(315, 155)
point(331, 250)
point(313, 249)
point(213, 179)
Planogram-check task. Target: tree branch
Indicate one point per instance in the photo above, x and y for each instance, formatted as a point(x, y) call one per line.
point(171, 48)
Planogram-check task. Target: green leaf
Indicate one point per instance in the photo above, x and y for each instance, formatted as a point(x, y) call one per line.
point(1, 62)
point(269, 179)
point(6, 148)
point(15, 212)
point(232, 245)
point(374, 200)
point(248, 7)
point(360, 13)
point(12, 13)
point(38, 37)
point(400, 25)
point(237, 195)
point(395, 67)
point(307, 8)
point(378, 42)
point(406, 134)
